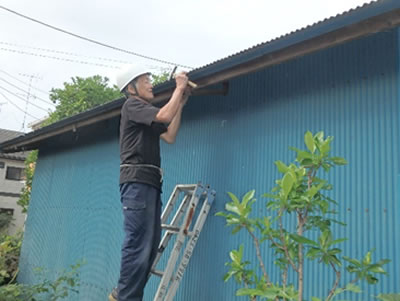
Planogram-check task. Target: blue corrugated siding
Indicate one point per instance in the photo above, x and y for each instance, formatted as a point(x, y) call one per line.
point(350, 91)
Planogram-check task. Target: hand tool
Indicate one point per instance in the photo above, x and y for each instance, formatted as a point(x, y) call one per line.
point(190, 83)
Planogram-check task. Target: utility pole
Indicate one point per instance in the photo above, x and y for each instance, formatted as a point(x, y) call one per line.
point(31, 77)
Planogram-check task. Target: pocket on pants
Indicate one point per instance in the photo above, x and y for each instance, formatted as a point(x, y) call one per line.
point(129, 203)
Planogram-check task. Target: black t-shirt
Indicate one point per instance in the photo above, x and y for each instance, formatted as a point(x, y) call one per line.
point(140, 143)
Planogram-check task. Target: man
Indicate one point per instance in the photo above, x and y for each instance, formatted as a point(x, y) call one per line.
point(141, 127)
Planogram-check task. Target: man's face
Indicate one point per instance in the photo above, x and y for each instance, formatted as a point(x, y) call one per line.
point(144, 87)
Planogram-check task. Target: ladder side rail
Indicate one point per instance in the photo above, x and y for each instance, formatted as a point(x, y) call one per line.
point(170, 204)
point(165, 280)
point(168, 234)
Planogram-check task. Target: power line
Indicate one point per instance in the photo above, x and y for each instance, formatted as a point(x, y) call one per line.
point(33, 95)
point(22, 82)
point(93, 41)
point(73, 61)
point(66, 53)
point(163, 69)
point(57, 58)
point(9, 101)
point(16, 95)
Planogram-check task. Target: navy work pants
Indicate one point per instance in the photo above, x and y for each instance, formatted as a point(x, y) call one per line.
point(142, 212)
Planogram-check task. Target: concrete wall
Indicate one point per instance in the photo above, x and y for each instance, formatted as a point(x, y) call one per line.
point(9, 194)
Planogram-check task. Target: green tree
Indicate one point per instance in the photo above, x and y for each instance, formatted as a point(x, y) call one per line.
point(78, 96)
point(300, 193)
point(30, 163)
point(81, 95)
point(159, 78)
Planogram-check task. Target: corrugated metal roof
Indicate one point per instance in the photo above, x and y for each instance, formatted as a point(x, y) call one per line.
point(346, 18)
point(300, 30)
point(239, 60)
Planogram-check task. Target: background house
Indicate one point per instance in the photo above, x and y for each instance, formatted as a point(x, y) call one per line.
point(341, 76)
point(11, 182)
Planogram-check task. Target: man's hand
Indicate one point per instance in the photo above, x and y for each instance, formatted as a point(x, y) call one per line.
point(186, 95)
point(181, 80)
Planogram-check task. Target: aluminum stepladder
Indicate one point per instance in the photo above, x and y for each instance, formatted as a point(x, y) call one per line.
point(173, 273)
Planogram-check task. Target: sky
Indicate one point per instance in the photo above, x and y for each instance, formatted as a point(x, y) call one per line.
point(34, 58)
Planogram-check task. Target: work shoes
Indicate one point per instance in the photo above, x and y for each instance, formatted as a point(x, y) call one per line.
point(113, 296)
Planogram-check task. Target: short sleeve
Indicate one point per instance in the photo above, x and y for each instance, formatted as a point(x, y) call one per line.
point(140, 111)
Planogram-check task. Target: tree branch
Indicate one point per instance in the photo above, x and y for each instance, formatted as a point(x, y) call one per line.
point(257, 244)
point(284, 279)
point(246, 285)
point(335, 284)
point(301, 259)
point(284, 244)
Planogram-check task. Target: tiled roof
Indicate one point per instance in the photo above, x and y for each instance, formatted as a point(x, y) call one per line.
point(6, 135)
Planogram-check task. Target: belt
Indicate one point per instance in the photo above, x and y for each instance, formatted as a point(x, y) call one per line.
point(145, 165)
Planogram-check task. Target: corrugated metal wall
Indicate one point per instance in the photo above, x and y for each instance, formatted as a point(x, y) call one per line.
point(231, 142)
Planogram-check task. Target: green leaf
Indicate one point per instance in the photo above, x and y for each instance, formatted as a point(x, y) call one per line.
point(334, 251)
point(306, 162)
point(376, 269)
point(313, 253)
point(339, 161)
point(353, 288)
point(223, 214)
point(236, 229)
point(255, 292)
point(335, 260)
point(233, 198)
point(301, 155)
point(303, 240)
point(325, 147)
point(248, 196)
point(282, 167)
point(326, 166)
point(309, 141)
point(337, 241)
point(287, 183)
point(367, 259)
point(319, 136)
point(371, 279)
point(383, 262)
point(314, 190)
point(315, 299)
point(389, 297)
point(232, 208)
point(353, 261)
point(325, 238)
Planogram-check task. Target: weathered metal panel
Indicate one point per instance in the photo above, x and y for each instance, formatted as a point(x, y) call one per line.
point(230, 142)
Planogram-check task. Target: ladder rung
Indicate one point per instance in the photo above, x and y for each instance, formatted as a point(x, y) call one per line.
point(157, 273)
point(186, 187)
point(170, 228)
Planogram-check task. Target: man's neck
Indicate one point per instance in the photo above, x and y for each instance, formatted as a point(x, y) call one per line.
point(140, 98)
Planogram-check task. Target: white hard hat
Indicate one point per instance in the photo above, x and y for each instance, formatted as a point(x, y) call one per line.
point(128, 73)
